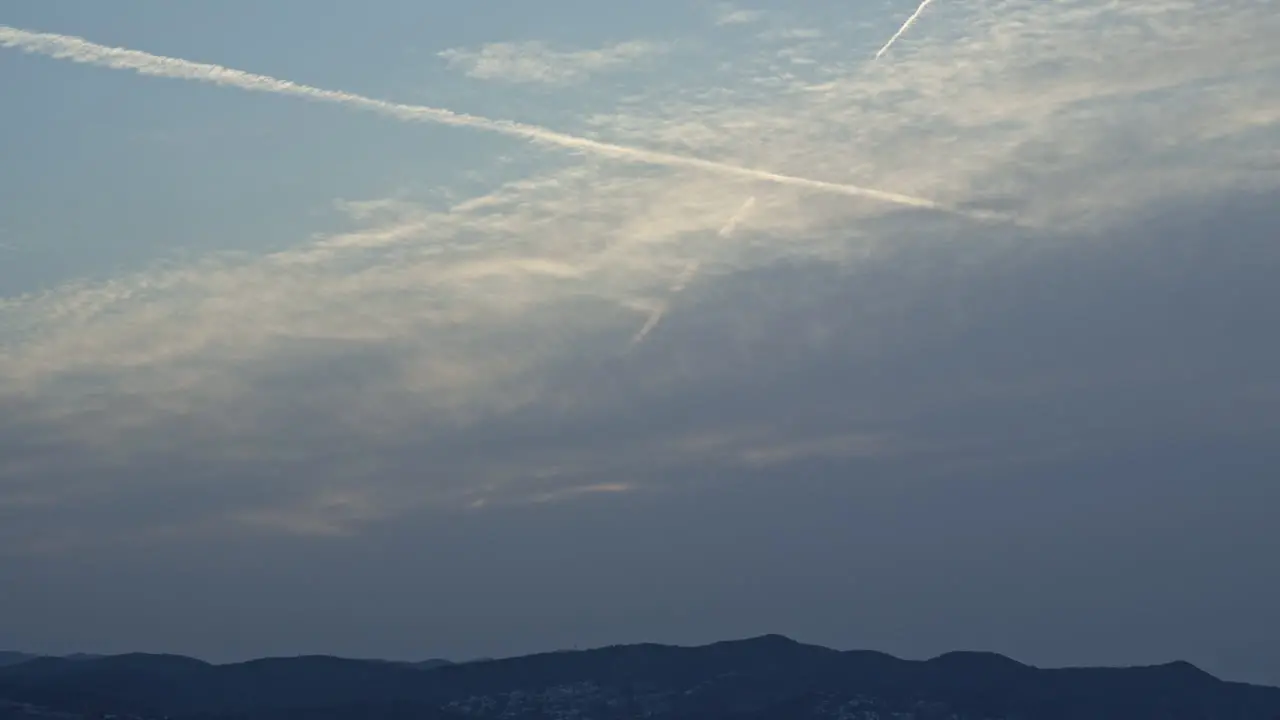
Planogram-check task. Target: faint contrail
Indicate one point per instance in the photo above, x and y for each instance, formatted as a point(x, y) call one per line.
point(655, 317)
point(686, 276)
point(77, 49)
point(905, 26)
point(659, 309)
point(738, 217)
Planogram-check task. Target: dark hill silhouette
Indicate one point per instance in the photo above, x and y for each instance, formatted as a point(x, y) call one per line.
point(432, 663)
point(755, 679)
point(8, 657)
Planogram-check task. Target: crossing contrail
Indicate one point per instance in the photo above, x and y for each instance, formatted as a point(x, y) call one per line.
point(80, 50)
point(905, 26)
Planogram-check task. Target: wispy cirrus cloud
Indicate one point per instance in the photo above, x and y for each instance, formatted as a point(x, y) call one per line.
point(537, 62)
point(453, 317)
point(729, 14)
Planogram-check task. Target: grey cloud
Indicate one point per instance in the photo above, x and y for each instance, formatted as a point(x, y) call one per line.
point(1059, 344)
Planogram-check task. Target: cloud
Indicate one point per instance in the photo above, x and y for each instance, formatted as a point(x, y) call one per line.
point(536, 62)
point(727, 14)
point(570, 492)
point(464, 326)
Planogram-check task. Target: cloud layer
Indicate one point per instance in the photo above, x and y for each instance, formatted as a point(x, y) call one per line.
point(463, 320)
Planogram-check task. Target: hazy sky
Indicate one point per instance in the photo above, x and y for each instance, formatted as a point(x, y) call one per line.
point(414, 329)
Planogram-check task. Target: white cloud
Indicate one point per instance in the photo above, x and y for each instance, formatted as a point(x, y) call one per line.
point(727, 14)
point(1031, 101)
point(536, 62)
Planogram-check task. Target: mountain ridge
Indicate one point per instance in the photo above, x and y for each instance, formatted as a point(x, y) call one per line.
point(760, 678)
point(13, 657)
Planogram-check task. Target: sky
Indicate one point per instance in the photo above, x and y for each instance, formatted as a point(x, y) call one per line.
point(413, 329)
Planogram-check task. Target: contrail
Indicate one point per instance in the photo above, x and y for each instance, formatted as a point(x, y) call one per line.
point(905, 26)
point(659, 309)
point(80, 50)
point(738, 217)
point(686, 276)
point(655, 317)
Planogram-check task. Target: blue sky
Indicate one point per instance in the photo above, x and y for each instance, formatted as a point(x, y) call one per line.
point(699, 322)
